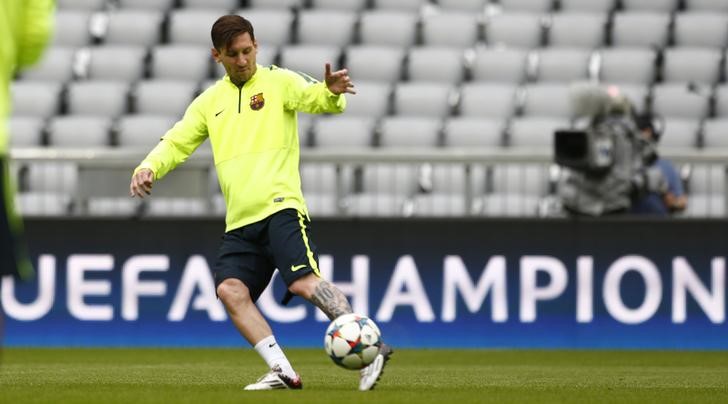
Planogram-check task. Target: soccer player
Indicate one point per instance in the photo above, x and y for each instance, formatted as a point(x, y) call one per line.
point(25, 27)
point(250, 117)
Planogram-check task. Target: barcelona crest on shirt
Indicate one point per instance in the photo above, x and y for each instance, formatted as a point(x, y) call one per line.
point(257, 102)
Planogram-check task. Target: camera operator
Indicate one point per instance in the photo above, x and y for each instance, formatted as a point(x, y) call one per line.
point(606, 164)
point(673, 199)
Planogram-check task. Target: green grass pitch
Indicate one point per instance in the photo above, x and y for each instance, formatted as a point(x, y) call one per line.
point(412, 376)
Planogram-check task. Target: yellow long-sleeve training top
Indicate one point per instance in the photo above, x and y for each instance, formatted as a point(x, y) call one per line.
point(25, 28)
point(253, 131)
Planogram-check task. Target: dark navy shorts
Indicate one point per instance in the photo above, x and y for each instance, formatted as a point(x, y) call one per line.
point(251, 253)
point(13, 255)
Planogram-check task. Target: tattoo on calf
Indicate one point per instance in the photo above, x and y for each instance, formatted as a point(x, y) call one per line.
point(330, 300)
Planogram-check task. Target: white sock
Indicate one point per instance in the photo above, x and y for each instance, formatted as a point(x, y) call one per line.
point(273, 355)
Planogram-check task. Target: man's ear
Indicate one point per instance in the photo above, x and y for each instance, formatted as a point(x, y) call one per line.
point(215, 55)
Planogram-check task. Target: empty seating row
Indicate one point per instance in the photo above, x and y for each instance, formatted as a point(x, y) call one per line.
point(142, 132)
point(411, 5)
point(391, 64)
point(373, 99)
point(442, 189)
point(400, 28)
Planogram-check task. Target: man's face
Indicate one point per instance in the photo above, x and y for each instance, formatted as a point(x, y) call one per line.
point(238, 58)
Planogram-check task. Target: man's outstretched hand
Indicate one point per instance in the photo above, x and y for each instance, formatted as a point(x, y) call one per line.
point(141, 183)
point(339, 81)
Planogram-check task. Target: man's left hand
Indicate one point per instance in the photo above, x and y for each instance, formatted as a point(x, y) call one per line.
point(339, 81)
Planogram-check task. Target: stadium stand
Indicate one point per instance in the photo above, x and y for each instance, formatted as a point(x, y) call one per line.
point(433, 75)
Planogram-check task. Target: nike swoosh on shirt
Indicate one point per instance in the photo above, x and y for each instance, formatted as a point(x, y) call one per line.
point(219, 113)
point(297, 267)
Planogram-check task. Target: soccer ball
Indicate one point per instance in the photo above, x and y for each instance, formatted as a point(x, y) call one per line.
point(352, 341)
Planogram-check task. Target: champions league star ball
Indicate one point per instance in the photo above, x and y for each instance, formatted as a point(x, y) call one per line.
point(352, 341)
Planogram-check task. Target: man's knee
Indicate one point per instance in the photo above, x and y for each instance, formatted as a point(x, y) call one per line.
point(233, 292)
point(305, 286)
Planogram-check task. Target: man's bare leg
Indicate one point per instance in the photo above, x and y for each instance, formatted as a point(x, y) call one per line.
point(250, 323)
point(333, 303)
point(242, 311)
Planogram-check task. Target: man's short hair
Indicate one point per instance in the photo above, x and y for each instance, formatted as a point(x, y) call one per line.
point(227, 27)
